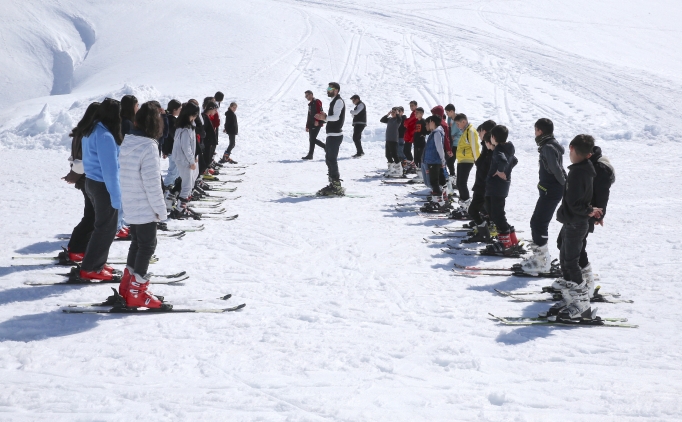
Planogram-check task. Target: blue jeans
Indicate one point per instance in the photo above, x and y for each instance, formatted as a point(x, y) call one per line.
point(401, 147)
point(173, 172)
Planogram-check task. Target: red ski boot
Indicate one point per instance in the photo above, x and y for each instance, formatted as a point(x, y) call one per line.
point(125, 281)
point(76, 257)
point(137, 295)
point(101, 275)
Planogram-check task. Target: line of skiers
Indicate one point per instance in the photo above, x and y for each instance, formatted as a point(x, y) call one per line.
point(581, 195)
point(116, 163)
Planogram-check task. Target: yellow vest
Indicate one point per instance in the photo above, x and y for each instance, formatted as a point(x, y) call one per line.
point(468, 148)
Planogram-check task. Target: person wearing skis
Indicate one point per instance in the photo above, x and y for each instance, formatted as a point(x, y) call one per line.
point(434, 160)
point(173, 111)
point(477, 204)
point(467, 154)
point(409, 125)
point(498, 182)
point(185, 151)
point(455, 134)
point(334, 119)
point(143, 204)
point(574, 214)
point(80, 236)
point(232, 130)
point(359, 114)
point(419, 140)
point(101, 142)
point(392, 121)
point(552, 179)
point(313, 124)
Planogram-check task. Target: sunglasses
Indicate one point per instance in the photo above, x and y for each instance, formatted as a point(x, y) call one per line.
point(329, 89)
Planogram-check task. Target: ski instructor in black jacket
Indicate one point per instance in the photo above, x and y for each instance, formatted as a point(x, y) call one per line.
point(335, 119)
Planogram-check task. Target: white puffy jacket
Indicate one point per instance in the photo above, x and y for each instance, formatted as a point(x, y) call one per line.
point(184, 147)
point(140, 177)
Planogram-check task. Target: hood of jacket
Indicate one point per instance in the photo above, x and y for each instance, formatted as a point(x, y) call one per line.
point(134, 143)
point(597, 158)
point(439, 129)
point(507, 148)
point(438, 111)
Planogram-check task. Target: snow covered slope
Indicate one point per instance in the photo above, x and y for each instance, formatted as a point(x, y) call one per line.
point(349, 315)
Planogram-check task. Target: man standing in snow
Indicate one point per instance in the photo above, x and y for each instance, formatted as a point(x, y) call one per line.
point(359, 114)
point(334, 119)
point(313, 125)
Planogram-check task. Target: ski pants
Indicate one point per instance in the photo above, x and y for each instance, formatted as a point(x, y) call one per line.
point(80, 236)
point(407, 151)
point(435, 174)
point(200, 156)
point(331, 156)
point(312, 138)
point(542, 216)
point(583, 261)
point(230, 147)
point(357, 137)
point(401, 147)
point(188, 177)
point(573, 239)
point(495, 206)
point(476, 207)
point(106, 217)
point(418, 152)
point(172, 172)
point(425, 175)
point(209, 152)
point(142, 247)
point(463, 170)
point(392, 152)
point(450, 161)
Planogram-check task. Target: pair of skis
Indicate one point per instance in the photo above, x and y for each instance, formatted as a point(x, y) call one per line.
point(315, 195)
point(68, 279)
point(595, 322)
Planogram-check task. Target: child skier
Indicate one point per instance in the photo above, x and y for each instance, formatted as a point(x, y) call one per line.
point(185, 151)
point(419, 140)
point(467, 154)
point(143, 204)
point(173, 111)
point(455, 134)
point(232, 130)
point(392, 121)
point(434, 159)
point(551, 189)
point(497, 186)
point(409, 125)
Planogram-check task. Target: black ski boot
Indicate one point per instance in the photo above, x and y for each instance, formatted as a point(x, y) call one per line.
point(333, 189)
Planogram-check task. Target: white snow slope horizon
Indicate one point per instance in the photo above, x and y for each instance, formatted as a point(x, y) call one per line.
point(349, 315)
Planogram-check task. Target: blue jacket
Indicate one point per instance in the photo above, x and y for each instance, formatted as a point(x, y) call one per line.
point(503, 160)
point(100, 161)
point(455, 133)
point(434, 150)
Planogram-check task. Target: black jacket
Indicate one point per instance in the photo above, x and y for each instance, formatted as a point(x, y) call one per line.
point(402, 128)
point(551, 171)
point(126, 127)
point(482, 168)
point(576, 204)
point(209, 138)
point(502, 160)
point(601, 185)
point(167, 148)
point(166, 130)
point(420, 133)
point(231, 126)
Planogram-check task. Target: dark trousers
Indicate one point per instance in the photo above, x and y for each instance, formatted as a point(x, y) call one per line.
point(80, 236)
point(209, 152)
point(542, 216)
point(312, 138)
point(106, 223)
point(495, 207)
point(203, 165)
point(142, 247)
point(463, 170)
point(573, 239)
point(477, 207)
point(392, 152)
point(331, 155)
point(450, 161)
point(435, 175)
point(357, 137)
point(418, 152)
point(583, 261)
point(407, 151)
point(232, 138)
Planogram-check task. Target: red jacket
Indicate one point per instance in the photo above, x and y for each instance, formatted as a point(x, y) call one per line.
point(215, 120)
point(410, 126)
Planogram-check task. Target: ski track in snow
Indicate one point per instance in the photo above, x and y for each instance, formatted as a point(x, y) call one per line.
point(349, 315)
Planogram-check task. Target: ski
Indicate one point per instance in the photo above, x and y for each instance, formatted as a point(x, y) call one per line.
point(315, 195)
point(216, 183)
point(83, 282)
point(220, 217)
point(211, 212)
point(539, 318)
point(597, 322)
point(151, 311)
point(557, 297)
point(210, 189)
point(152, 275)
point(550, 290)
point(478, 273)
point(111, 302)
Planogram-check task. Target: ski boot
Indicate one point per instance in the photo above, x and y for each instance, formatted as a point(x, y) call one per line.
point(123, 234)
point(482, 234)
point(506, 245)
point(333, 189)
point(577, 302)
point(588, 277)
point(307, 157)
point(539, 262)
point(435, 206)
point(459, 214)
point(137, 295)
point(358, 155)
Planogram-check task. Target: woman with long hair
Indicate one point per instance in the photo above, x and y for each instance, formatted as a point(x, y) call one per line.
point(129, 107)
point(80, 236)
point(101, 142)
point(185, 150)
point(143, 203)
point(173, 111)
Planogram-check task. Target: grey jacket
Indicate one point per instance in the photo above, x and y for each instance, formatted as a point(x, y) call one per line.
point(140, 177)
point(392, 127)
point(184, 147)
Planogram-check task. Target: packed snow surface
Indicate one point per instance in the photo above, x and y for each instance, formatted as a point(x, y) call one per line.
point(349, 315)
